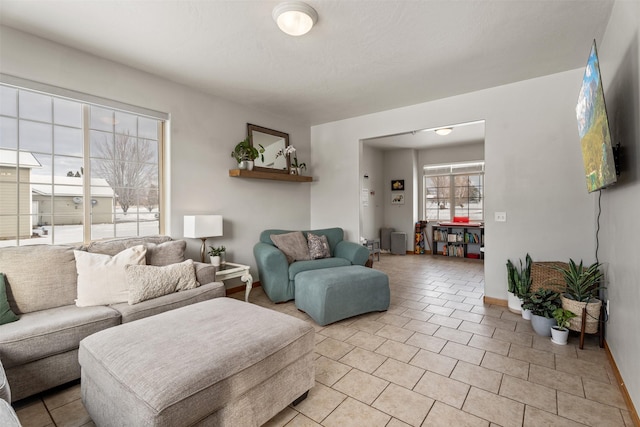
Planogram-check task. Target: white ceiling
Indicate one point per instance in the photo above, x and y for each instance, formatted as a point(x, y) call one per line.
point(362, 56)
point(461, 134)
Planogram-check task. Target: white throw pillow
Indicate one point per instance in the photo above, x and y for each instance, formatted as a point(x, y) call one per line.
point(101, 278)
point(150, 281)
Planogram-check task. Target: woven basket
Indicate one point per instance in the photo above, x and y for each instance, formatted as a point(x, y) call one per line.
point(593, 314)
point(545, 276)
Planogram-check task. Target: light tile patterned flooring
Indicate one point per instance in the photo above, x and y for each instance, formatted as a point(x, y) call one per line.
point(437, 357)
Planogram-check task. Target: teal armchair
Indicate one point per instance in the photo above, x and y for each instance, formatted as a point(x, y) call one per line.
point(277, 276)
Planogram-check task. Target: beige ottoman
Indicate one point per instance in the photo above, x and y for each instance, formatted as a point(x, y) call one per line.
point(220, 362)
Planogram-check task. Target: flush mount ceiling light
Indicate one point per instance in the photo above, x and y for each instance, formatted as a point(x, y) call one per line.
point(295, 17)
point(443, 131)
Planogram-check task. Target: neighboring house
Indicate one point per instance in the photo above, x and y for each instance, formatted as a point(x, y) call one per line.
point(64, 200)
point(39, 199)
point(10, 175)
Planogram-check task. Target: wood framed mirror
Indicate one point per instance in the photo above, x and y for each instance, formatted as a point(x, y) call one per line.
point(272, 141)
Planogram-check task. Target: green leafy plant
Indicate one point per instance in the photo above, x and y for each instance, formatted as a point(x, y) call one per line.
point(216, 251)
point(563, 317)
point(290, 151)
point(542, 302)
point(245, 151)
point(295, 164)
point(582, 282)
point(519, 280)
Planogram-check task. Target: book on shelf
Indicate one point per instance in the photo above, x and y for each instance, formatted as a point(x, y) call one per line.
point(440, 235)
point(471, 238)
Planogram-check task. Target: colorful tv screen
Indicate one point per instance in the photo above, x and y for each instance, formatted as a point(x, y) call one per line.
point(593, 127)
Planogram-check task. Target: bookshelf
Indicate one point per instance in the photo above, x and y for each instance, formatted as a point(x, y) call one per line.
point(458, 240)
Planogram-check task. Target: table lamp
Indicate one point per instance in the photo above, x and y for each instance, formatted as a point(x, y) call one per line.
point(201, 227)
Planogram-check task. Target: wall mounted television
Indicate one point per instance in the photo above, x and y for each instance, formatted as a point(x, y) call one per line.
point(593, 128)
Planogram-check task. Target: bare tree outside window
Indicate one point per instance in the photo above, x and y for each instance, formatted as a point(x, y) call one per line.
point(127, 168)
point(152, 198)
point(449, 195)
point(45, 186)
point(462, 189)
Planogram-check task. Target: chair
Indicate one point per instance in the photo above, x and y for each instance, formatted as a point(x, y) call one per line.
point(374, 248)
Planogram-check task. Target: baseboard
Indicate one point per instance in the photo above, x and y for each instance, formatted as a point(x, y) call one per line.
point(623, 389)
point(495, 301)
point(241, 288)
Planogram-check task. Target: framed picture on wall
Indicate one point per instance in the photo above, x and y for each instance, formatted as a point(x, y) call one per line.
point(397, 199)
point(397, 185)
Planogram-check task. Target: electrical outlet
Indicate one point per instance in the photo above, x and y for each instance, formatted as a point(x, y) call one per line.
point(501, 217)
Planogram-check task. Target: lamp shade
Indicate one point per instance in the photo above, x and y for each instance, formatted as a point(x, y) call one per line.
point(199, 226)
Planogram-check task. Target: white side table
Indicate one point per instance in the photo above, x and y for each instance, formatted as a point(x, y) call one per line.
point(231, 270)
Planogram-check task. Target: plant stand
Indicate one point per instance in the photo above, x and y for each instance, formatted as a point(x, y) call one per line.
point(600, 331)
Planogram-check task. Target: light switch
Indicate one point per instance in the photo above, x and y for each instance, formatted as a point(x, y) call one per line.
point(501, 216)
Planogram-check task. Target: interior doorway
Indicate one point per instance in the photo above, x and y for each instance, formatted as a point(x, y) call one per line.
point(392, 185)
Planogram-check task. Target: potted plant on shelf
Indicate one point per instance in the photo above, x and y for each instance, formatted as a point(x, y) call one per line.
point(542, 304)
point(560, 333)
point(216, 254)
point(518, 283)
point(298, 166)
point(245, 154)
point(295, 167)
point(582, 283)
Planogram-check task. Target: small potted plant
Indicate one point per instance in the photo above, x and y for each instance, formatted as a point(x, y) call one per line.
point(216, 254)
point(560, 333)
point(526, 313)
point(245, 154)
point(296, 168)
point(542, 304)
point(518, 283)
point(583, 284)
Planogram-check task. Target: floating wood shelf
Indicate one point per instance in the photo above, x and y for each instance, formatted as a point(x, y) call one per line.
point(243, 173)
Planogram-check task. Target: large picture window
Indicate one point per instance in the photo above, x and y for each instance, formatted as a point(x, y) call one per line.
point(454, 190)
point(73, 171)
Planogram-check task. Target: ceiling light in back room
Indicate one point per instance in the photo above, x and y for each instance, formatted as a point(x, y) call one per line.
point(443, 131)
point(295, 17)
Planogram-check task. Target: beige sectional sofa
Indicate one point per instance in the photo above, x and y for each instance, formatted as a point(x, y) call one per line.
point(40, 350)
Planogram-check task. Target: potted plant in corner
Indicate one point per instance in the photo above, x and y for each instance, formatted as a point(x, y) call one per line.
point(215, 254)
point(582, 287)
point(560, 333)
point(518, 283)
point(245, 154)
point(542, 304)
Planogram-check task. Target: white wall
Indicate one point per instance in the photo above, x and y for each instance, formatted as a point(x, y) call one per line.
point(533, 162)
point(455, 154)
point(400, 164)
point(372, 216)
point(619, 54)
point(204, 130)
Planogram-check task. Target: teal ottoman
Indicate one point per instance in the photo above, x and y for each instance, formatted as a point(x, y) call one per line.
point(332, 294)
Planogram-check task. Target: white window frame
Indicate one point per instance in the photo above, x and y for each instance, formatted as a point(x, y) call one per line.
point(87, 101)
point(450, 170)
